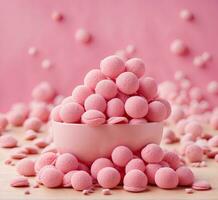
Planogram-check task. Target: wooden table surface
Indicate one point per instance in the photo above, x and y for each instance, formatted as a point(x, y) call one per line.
point(209, 173)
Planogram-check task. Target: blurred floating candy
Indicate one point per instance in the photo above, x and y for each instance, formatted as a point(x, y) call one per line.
point(178, 47)
point(32, 51)
point(212, 87)
point(199, 62)
point(57, 16)
point(186, 14)
point(83, 36)
point(46, 64)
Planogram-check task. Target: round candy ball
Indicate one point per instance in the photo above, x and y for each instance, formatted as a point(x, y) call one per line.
point(121, 155)
point(93, 117)
point(166, 178)
point(172, 159)
point(148, 88)
point(25, 167)
point(81, 180)
point(93, 77)
point(8, 141)
point(167, 106)
point(80, 93)
point(152, 153)
point(67, 179)
point(66, 162)
point(99, 164)
point(82, 36)
point(136, 107)
point(106, 88)
point(16, 118)
point(55, 114)
point(115, 108)
point(41, 112)
point(112, 66)
point(71, 112)
point(135, 163)
point(3, 123)
point(150, 171)
point(157, 111)
point(95, 102)
point(186, 176)
point(136, 66)
point(194, 153)
point(33, 123)
point(127, 83)
point(51, 177)
point(108, 177)
point(194, 128)
point(135, 181)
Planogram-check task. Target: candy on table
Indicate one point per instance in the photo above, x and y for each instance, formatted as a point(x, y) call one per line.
point(25, 167)
point(194, 128)
point(8, 141)
point(106, 192)
point(67, 178)
point(33, 123)
point(194, 153)
point(150, 171)
point(30, 135)
point(169, 136)
point(19, 182)
point(185, 175)
point(16, 118)
point(41, 112)
point(41, 142)
point(82, 36)
point(201, 185)
point(172, 159)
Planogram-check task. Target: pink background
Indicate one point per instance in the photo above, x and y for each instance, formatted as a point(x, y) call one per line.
point(150, 25)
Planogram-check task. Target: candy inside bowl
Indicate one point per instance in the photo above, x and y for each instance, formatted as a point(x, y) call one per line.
point(89, 143)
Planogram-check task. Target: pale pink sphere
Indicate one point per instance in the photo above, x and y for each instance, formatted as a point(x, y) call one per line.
point(180, 126)
point(16, 118)
point(157, 111)
point(99, 164)
point(22, 108)
point(135, 163)
point(166, 178)
point(93, 117)
point(66, 162)
point(93, 77)
point(136, 107)
point(150, 171)
point(67, 179)
point(41, 112)
point(136, 66)
point(185, 175)
point(25, 167)
point(169, 135)
point(127, 83)
point(95, 102)
point(80, 93)
point(194, 128)
point(51, 177)
point(138, 121)
point(178, 47)
point(196, 93)
point(3, 123)
point(115, 108)
point(71, 112)
point(177, 114)
point(82, 36)
point(172, 159)
point(81, 180)
point(106, 88)
point(112, 66)
point(148, 88)
point(199, 62)
point(214, 122)
point(167, 106)
point(194, 153)
point(108, 177)
point(45, 159)
point(55, 114)
point(212, 87)
point(33, 123)
point(186, 14)
point(8, 141)
point(135, 181)
point(152, 153)
point(121, 155)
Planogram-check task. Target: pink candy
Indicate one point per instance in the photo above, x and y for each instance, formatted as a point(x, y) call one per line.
point(136, 66)
point(115, 108)
point(185, 175)
point(19, 182)
point(152, 153)
point(95, 102)
point(178, 47)
point(82, 36)
point(25, 167)
point(135, 163)
point(93, 118)
point(194, 153)
point(33, 123)
point(8, 141)
point(201, 185)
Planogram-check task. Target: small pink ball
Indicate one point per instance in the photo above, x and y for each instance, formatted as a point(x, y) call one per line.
point(55, 114)
point(45, 159)
point(99, 164)
point(180, 126)
point(136, 66)
point(167, 106)
point(177, 114)
point(16, 118)
point(93, 117)
point(8, 141)
point(93, 77)
point(213, 87)
point(150, 171)
point(112, 66)
point(81, 180)
point(67, 179)
point(136, 107)
point(3, 123)
point(121, 155)
point(148, 88)
point(135, 181)
point(135, 163)
point(71, 112)
point(172, 159)
point(128, 83)
point(152, 153)
point(66, 162)
point(80, 93)
point(41, 112)
point(166, 178)
point(51, 177)
point(194, 128)
point(115, 108)
point(82, 36)
point(157, 111)
point(21, 108)
point(185, 175)
point(95, 102)
point(194, 153)
point(108, 177)
point(106, 88)
point(178, 47)
point(25, 167)
point(214, 122)
point(186, 15)
point(33, 123)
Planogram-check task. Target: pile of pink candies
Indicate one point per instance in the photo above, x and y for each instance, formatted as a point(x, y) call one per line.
point(153, 166)
point(116, 93)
